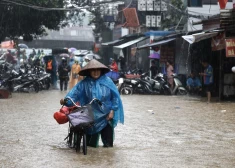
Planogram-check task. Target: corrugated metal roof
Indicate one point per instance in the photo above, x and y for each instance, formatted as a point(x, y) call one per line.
point(156, 43)
point(129, 43)
point(112, 42)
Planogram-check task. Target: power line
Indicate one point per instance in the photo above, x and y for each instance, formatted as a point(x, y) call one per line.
point(57, 9)
point(40, 8)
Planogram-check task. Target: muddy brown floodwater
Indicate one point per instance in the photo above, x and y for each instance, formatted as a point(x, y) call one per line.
point(159, 131)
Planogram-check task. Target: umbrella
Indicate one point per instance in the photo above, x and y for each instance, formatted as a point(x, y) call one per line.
point(93, 56)
point(23, 46)
point(64, 55)
point(81, 52)
point(154, 56)
point(72, 50)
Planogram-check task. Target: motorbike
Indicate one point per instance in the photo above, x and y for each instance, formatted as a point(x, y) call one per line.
point(124, 87)
point(178, 86)
point(159, 84)
point(22, 81)
point(43, 78)
point(142, 85)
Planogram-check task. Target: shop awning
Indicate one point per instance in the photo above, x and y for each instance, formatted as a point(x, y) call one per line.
point(111, 43)
point(198, 37)
point(129, 43)
point(156, 43)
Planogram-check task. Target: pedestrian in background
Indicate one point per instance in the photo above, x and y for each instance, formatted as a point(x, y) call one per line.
point(63, 71)
point(121, 60)
point(153, 69)
point(113, 66)
point(207, 78)
point(170, 72)
point(193, 84)
point(51, 68)
point(74, 76)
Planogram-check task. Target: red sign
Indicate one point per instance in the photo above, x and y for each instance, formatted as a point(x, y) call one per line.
point(230, 47)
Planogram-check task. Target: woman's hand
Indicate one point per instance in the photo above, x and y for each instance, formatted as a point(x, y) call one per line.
point(62, 101)
point(110, 115)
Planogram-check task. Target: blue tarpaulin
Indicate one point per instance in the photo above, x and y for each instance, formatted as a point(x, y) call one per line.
point(113, 75)
point(158, 33)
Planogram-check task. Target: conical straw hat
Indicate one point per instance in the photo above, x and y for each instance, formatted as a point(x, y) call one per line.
point(93, 64)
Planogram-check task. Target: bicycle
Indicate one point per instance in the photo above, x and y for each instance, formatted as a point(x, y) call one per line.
point(80, 120)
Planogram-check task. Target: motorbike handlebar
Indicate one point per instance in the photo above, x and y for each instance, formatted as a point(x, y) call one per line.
point(93, 100)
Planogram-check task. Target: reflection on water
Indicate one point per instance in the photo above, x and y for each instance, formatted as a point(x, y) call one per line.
point(159, 131)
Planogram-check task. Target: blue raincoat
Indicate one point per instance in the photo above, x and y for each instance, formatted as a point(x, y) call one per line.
point(103, 89)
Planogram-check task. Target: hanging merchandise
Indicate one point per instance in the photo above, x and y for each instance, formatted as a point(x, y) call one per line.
point(155, 55)
point(155, 48)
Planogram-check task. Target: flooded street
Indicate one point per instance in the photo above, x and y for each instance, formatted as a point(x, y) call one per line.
point(159, 131)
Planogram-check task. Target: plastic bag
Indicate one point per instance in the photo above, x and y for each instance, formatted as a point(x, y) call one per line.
point(60, 117)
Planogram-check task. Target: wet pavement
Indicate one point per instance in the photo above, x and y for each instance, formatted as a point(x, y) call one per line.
point(159, 131)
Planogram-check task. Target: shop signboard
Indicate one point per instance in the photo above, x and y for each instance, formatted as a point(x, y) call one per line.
point(230, 47)
point(218, 42)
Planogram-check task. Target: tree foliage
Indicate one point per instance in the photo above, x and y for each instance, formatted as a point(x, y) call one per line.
point(97, 20)
point(17, 20)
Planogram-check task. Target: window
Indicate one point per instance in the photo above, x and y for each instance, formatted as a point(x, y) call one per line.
point(73, 32)
point(210, 2)
point(194, 3)
point(199, 3)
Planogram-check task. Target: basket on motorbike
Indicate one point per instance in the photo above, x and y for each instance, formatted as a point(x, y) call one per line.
point(81, 118)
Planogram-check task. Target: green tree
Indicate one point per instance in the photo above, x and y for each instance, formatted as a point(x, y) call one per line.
point(95, 9)
point(19, 19)
point(98, 22)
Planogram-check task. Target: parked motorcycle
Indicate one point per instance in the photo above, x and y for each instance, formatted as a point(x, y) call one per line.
point(25, 79)
point(43, 78)
point(178, 87)
point(124, 86)
point(142, 85)
point(159, 84)
point(24, 83)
